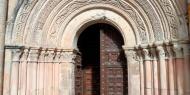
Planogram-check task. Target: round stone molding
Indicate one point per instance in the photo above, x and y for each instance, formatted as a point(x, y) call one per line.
point(49, 23)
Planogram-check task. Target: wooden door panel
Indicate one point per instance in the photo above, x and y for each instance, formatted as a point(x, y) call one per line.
point(112, 62)
point(91, 83)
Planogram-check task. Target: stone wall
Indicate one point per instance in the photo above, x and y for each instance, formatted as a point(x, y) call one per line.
point(156, 44)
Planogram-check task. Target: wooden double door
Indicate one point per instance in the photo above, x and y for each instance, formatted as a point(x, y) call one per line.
point(102, 69)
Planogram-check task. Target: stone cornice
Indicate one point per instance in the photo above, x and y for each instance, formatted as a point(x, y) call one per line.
point(44, 55)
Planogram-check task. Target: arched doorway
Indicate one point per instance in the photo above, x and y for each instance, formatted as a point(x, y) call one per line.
point(103, 65)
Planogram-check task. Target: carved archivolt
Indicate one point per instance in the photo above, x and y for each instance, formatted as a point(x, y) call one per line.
point(54, 14)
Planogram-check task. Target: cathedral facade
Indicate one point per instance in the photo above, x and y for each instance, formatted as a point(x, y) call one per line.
point(94, 47)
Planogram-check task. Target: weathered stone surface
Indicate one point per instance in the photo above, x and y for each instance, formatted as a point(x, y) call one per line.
point(155, 33)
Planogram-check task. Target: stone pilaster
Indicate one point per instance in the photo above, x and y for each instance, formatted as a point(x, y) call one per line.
point(163, 71)
point(15, 71)
point(186, 54)
point(133, 72)
point(179, 64)
point(7, 72)
point(67, 73)
point(148, 71)
point(3, 13)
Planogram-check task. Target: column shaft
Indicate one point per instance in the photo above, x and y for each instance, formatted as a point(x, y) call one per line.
point(148, 72)
point(163, 71)
point(171, 72)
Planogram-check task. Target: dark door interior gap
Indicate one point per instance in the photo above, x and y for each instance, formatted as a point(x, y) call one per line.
point(104, 67)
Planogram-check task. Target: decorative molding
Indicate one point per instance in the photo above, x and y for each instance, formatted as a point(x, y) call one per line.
point(155, 21)
point(71, 7)
point(21, 20)
point(171, 17)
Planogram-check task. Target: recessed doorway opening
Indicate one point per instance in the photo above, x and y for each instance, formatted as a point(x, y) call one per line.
point(103, 64)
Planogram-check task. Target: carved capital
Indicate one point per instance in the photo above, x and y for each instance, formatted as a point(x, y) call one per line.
point(146, 54)
point(186, 49)
point(24, 56)
point(68, 56)
point(42, 55)
point(50, 56)
point(57, 56)
point(131, 56)
point(161, 52)
point(170, 52)
point(153, 54)
point(33, 55)
point(16, 54)
point(178, 50)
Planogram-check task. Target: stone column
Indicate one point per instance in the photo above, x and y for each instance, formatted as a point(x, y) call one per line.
point(186, 54)
point(148, 72)
point(3, 12)
point(179, 62)
point(163, 71)
point(56, 66)
point(40, 72)
point(32, 72)
point(171, 71)
point(133, 72)
point(155, 73)
point(23, 72)
point(142, 75)
point(67, 86)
